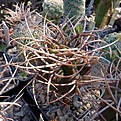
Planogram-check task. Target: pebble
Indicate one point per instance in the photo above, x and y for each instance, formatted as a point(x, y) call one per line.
point(59, 112)
point(97, 92)
point(25, 118)
point(77, 104)
point(25, 109)
point(66, 116)
point(77, 113)
point(61, 118)
point(19, 114)
point(70, 119)
point(10, 112)
point(80, 110)
point(75, 109)
point(53, 109)
point(75, 97)
point(42, 98)
point(64, 110)
point(88, 105)
point(17, 109)
point(84, 107)
point(52, 115)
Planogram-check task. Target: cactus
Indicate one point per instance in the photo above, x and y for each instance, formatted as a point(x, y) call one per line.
point(56, 8)
point(74, 7)
point(103, 13)
point(53, 9)
point(115, 48)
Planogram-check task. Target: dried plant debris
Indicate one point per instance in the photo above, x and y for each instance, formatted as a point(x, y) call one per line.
point(62, 59)
point(7, 76)
point(18, 15)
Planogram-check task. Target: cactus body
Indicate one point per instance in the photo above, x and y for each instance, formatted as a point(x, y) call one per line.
point(103, 13)
point(57, 8)
point(53, 9)
point(115, 48)
point(74, 7)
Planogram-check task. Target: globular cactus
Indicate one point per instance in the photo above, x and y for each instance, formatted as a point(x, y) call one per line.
point(56, 8)
point(74, 8)
point(53, 9)
point(115, 48)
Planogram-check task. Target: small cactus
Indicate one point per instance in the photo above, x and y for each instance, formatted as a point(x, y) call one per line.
point(53, 9)
point(74, 8)
point(115, 48)
point(57, 8)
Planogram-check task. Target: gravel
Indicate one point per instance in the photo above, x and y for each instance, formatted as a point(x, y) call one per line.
point(17, 113)
point(75, 109)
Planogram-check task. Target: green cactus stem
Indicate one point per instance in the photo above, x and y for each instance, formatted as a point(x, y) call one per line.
point(103, 13)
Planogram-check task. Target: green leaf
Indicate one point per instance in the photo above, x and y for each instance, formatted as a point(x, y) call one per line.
point(79, 29)
point(23, 74)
